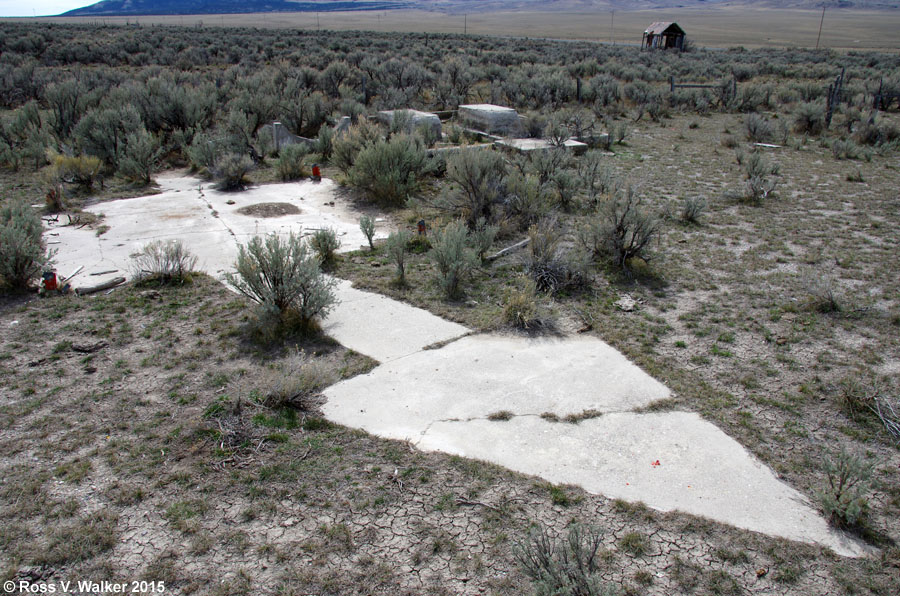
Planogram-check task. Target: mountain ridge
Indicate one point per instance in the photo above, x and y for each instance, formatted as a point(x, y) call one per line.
point(197, 7)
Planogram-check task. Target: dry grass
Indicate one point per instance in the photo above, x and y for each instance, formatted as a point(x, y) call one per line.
point(156, 457)
point(725, 26)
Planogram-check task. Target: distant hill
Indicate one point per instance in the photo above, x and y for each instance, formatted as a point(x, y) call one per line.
point(176, 7)
point(110, 8)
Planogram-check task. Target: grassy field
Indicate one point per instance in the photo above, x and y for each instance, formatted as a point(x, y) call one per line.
point(720, 27)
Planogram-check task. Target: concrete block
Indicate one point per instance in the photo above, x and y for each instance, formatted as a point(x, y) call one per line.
point(416, 119)
point(490, 118)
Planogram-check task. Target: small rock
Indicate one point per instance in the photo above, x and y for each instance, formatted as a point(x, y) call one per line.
point(625, 303)
point(289, 522)
point(229, 202)
point(761, 571)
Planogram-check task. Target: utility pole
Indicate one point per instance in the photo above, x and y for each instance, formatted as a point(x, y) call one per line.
point(465, 23)
point(317, 21)
point(612, 28)
point(820, 28)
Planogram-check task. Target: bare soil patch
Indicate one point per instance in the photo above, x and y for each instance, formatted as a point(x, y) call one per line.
point(156, 457)
point(269, 210)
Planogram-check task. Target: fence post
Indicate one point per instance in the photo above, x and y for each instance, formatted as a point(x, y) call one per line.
point(671, 84)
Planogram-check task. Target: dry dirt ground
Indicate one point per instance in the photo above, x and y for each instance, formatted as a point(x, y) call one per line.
point(724, 26)
point(137, 445)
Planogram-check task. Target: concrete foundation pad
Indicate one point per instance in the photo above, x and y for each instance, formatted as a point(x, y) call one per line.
point(385, 329)
point(526, 145)
point(190, 210)
point(477, 376)
point(193, 211)
point(701, 470)
point(443, 400)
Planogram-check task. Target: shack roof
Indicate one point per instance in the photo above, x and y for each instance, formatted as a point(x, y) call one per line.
point(663, 27)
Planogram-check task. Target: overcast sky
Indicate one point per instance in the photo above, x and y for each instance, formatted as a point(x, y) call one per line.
point(30, 8)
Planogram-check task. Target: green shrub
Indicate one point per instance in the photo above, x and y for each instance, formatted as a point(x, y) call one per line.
point(290, 162)
point(166, 262)
point(203, 152)
point(103, 132)
point(758, 128)
point(396, 250)
point(520, 307)
point(325, 142)
point(140, 157)
point(283, 276)
point(844, 498)
point(760, 174)
point(482, 237)
point(569, 567)
point(346, 147)
point(809, 118)
point(453, 257)
point(550, 266)
point(22, 251)
point(622, 229)
point(597, 176)
point(325, 242)
point(478, 178)
point(566, 185)
point(390, 170)
point(82, 170)
point(692, 209)
point(231, 170)
point(367, 227)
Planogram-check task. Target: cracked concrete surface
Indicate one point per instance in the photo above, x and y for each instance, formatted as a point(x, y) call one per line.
point(191, 210)
point(442, 399)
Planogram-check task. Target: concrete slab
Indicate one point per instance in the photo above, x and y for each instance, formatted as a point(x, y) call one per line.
point(701, 470)
point(476, 376)
point(190, 210)
point(526, 145)
point(441, 400)
point(385, 329)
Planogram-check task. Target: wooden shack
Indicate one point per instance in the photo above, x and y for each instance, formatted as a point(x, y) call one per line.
point(663, 36)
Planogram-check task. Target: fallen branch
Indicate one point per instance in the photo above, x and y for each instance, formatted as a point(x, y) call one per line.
point(104, 286)
point(507, 250)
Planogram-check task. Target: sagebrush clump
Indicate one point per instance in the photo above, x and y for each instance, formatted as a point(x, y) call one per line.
point(454, 259)
point(23, 253)
point(283, 276)
point(165, 262)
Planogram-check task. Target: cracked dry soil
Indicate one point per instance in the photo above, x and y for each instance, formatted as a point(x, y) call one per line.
point(135, 461)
